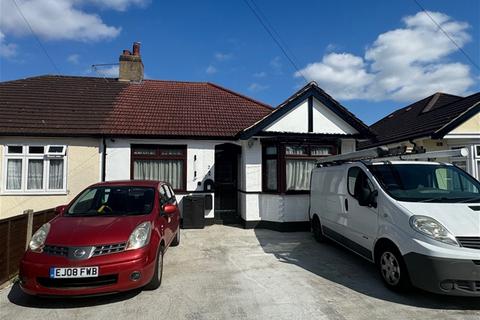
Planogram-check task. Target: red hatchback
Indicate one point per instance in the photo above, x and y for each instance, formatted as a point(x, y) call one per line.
point(110, 238)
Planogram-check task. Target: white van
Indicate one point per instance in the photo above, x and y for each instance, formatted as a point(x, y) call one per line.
point(419, 222)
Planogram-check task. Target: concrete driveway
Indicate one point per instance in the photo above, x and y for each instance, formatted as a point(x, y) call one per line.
point(225, 272)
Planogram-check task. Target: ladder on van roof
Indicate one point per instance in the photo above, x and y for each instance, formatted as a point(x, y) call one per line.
point(385, 154)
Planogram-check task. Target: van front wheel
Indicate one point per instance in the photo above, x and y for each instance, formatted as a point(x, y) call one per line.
point(393, 269)
point(317, 229)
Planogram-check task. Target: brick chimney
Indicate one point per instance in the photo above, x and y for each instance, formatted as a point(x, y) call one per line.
point(131, 65)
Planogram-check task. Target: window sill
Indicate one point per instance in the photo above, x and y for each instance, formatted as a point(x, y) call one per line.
point(34, 193)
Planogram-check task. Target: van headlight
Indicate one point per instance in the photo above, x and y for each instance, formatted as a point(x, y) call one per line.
point(140, 237)
point(39, 237)
point(432, 229)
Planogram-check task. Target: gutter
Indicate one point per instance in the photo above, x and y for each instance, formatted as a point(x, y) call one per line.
point(104, 158)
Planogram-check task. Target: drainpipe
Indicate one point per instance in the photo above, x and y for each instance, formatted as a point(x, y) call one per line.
point(104, 158)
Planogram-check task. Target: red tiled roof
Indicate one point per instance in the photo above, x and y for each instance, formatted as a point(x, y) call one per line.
point(67, 105)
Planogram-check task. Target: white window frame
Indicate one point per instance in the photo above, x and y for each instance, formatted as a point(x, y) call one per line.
point(476, 161)
point(25, 156)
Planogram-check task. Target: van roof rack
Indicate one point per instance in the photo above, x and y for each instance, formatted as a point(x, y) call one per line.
point(383, 153)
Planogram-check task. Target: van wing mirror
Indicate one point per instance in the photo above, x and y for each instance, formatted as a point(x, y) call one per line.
point(367, 198)
point(372, 199)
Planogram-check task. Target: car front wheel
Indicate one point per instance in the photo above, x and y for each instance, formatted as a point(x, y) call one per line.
point(157, 275)
point(176, 240)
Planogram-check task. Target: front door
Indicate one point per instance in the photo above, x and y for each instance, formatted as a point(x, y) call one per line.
point(226, 179)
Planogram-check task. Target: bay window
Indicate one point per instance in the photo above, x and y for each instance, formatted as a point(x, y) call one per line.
point(287, 166)
point(34, 169)
point(160, 162)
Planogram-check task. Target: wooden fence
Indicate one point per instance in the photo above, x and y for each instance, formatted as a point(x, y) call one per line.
point(15, 234)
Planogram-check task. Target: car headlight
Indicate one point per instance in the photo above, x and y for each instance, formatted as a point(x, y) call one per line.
point(140, 237)
point(39, 237)
point(433, 229)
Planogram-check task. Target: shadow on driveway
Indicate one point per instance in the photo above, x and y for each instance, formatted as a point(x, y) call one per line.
point(18, 297)
point(335, 263)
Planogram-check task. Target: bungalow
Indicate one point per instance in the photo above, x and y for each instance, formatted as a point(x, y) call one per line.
point(438, 122)
point(61, 133)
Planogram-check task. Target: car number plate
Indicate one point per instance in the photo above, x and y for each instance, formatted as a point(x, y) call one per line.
point(77, 272)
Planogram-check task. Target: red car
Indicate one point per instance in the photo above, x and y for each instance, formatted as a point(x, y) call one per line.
point(110, 238)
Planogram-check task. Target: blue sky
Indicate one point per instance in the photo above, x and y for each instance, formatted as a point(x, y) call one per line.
point(372, 56)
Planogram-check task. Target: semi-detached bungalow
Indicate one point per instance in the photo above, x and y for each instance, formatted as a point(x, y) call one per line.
point(60, 134)
point(438, 122)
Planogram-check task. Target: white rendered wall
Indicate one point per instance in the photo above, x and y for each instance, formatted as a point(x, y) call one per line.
point(119, 153)
point(325, 121)
point(255, 205)
point(296, 120)
point(348, 145)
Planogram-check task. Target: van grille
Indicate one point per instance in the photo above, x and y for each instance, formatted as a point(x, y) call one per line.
point(469, 242)
point(473, 286)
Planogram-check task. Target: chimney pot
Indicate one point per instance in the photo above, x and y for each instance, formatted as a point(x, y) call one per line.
point(131, 65)
point(136, 48)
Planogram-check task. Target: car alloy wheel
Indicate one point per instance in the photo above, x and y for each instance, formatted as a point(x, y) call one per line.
point(390, 268)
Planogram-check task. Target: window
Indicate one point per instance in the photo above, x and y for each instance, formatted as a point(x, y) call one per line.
point(160, 162)
point(358, 183)
point(32, 169)
point(113, 201)
point(426, 182)
point(270, 172)
point(287, 166)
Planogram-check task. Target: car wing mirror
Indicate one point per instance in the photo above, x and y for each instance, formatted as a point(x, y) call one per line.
point(168, 209)
point(60, 209)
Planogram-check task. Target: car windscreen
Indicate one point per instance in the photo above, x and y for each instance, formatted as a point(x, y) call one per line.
point(113, 201)
point(426, 182)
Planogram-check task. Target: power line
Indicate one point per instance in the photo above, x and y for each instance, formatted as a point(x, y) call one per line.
point(270, 33)
point(37, 38)
point(448, 36)
point(272, 28)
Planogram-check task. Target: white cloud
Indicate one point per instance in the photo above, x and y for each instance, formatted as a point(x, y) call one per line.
point(340, 73)
point(257, 87)
point(7, 50)
point(108, 72)
point(61, 19)
point(211, 69)
point(223, 56)
point(403, 64)
point(73, 58)
point(119, 5)
point(261, 74)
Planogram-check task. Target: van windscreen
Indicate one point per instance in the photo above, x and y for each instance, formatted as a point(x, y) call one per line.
point(426, 182)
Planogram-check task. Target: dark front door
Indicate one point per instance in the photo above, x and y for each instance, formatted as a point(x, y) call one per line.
point(226, 179)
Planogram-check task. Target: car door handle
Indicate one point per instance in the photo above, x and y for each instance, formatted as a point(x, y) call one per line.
point(346, 205)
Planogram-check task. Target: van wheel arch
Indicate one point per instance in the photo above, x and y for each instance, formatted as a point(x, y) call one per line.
point(388, 247)
point(316, 227)
point(380, 245)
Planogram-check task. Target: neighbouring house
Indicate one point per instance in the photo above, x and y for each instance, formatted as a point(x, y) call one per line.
point(438, 122)
point(61, 133)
